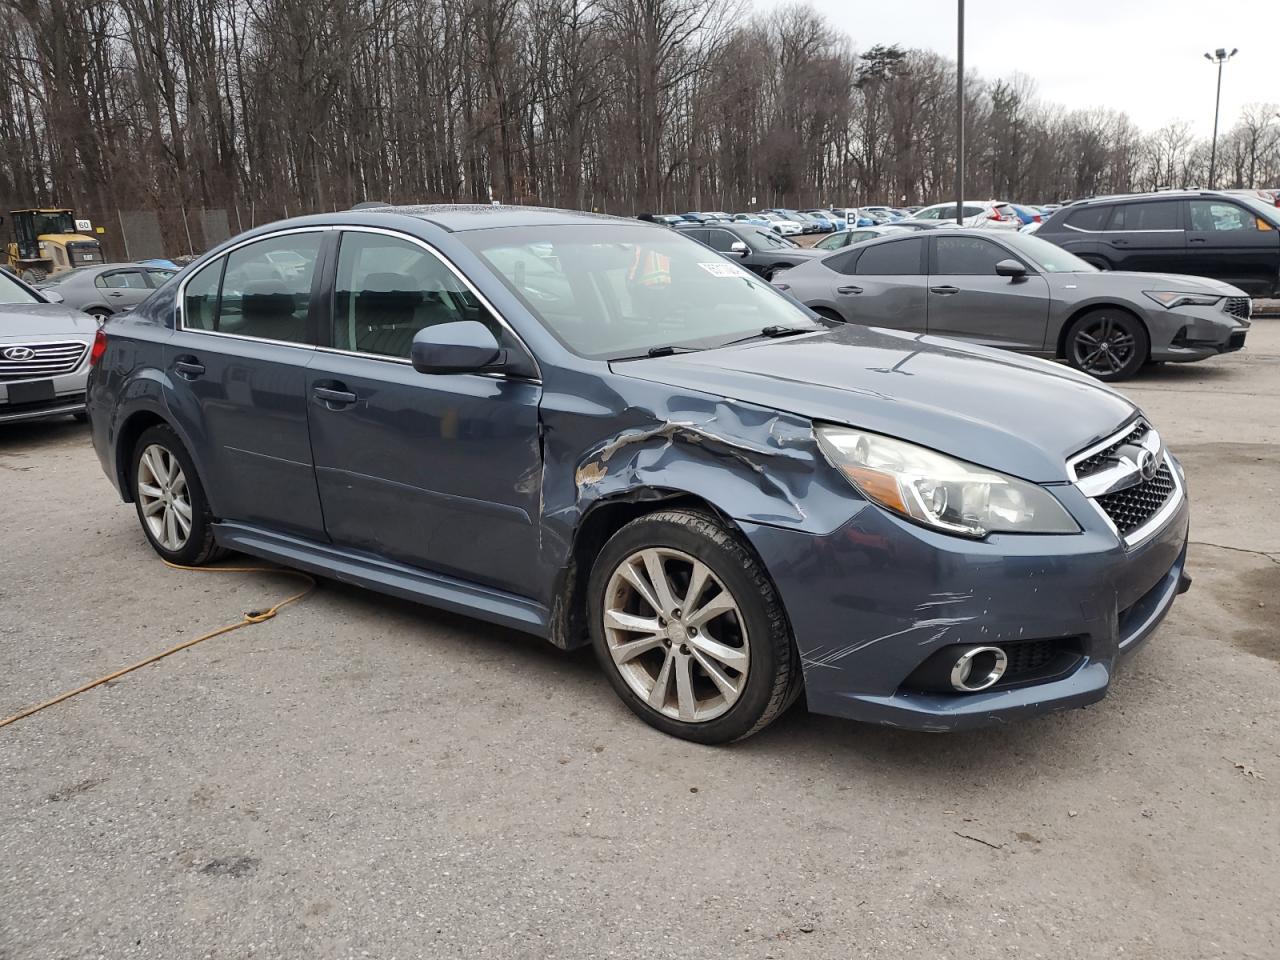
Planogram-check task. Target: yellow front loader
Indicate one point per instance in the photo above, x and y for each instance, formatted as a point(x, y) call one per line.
point(47, 241)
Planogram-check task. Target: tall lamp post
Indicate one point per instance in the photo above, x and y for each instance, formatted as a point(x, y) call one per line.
point(960, 114)
point(1219, 56)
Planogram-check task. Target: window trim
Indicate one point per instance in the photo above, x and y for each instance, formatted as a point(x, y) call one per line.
point(180, 301)
point(329, 291)
point(1009, 254)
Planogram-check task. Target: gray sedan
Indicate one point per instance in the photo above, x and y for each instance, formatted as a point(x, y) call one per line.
point(1021, 293)
point(108, 288)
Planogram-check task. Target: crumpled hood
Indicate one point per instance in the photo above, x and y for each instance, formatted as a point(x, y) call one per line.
point(1019, 415)
point(26, 321)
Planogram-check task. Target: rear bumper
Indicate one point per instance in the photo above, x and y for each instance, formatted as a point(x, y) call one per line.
point(872, 601)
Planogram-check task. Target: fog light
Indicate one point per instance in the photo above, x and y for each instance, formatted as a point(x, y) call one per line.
point(978, 668)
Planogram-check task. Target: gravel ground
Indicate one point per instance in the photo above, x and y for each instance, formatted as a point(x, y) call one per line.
point(364, 777)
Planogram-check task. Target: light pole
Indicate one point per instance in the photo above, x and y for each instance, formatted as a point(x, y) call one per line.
point(960, 114)
point(1219, 56)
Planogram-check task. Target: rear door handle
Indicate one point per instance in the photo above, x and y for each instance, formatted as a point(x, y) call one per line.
point(945, 290)
point(188, 367)
point(848, 289)
point(114, 293)
point(335, 395)
point(1197, 240)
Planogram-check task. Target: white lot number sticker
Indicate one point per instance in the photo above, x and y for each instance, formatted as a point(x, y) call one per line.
point(722, 269)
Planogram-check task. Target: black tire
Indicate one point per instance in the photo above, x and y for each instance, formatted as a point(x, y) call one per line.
point(828, 314)
point(199, 546)
point(100, 312)
point(80, 417)
point(1107, 343)
point(773, 678)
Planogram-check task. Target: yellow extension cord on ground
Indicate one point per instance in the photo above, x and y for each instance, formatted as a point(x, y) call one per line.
point(250, 618)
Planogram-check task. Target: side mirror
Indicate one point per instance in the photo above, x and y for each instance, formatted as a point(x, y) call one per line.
point(1011, 269)
point(463, 346)
point(739, 248)
point(52, 296)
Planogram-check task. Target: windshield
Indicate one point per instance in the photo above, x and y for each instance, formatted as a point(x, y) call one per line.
point(767, 240)
point(46, 223)
point(13, 292)
point(1049, 257)
point(608, 292)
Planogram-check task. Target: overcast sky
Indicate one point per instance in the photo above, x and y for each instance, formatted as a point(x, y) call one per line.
point(1145, 57)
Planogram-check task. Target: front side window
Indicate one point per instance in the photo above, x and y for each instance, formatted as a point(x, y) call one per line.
point(130, 279)
point(388, 289)
point(721, 240)
point(1215, 216)
point(616, 291)
point(1157, 215)
point(967, 256)
point(266, 290)
point(899, 258)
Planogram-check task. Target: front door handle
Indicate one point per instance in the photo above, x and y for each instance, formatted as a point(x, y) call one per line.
point(335, 396)
point(1197, 240)
point(188, 367)
point(848, 289)
point(945, 290)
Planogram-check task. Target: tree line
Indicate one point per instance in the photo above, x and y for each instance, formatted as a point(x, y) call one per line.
point(624, 106)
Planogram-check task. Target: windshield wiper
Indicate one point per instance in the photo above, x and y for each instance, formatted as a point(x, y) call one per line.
point(665, 350)
point(773, 332)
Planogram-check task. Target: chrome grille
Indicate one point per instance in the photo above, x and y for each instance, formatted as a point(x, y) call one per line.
point(1238, 307)
point(1096, 461)
point(46, 360)
point(1132, 507)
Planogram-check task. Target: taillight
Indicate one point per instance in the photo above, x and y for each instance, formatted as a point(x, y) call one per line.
point(99, 347)
point(994, 215)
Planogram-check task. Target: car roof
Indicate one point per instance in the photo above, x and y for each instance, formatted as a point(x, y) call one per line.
point(459, 217)
point(1158, 195)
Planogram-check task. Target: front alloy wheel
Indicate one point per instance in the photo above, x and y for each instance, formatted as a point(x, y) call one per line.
point(689, 629)
point(1107, 344)
point(676, 634)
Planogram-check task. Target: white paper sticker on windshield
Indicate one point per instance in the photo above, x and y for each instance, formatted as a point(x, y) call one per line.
point(721, 269)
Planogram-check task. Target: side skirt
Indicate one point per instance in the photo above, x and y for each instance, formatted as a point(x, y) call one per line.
point(385, 576)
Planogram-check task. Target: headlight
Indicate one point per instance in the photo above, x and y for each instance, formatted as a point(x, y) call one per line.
point(939, 492)
point(1172, 298)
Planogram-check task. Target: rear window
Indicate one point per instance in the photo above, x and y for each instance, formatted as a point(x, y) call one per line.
point(1159, 215)
point(1089, 218)
point(899, 258)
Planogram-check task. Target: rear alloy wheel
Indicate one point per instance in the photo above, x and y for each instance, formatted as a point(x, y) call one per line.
point(169, 499)
point(689, 630)
point(1107, 343)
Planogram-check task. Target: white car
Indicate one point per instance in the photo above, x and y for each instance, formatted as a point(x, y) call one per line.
point(978, 214)
point(784, 226)
point(44, 353)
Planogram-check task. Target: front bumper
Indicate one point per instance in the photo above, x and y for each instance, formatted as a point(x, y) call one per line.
point(1194, 333)
point(68, 398)
point(870, 602)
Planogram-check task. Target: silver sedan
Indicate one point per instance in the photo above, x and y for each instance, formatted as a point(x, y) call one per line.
point(44, 354)
point(108, 288)
point(1018, 292)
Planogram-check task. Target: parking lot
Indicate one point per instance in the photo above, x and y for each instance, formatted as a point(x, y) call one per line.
point(365, 777)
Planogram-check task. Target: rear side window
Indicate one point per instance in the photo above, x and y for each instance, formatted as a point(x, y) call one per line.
point(1089, 218)
point(266, 289)
point(131, 279)
point(388, 289)
point(899, 258)
point(200, 301)
point(1158, 215)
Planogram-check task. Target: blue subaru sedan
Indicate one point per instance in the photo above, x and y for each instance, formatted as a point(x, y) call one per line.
point(601, 432)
